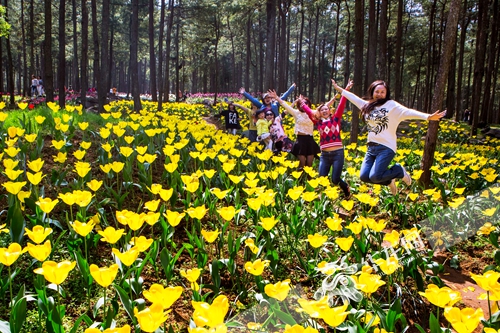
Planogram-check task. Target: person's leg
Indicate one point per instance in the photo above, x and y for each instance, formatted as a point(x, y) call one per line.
point(252, 135)
point(367, 165)
point(309, 160)
point(380, 174)
point(325, 163)
point(337, 167)
point(302, 161)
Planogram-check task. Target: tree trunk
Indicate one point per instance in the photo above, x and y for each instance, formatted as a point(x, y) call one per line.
point(103, 84)
point(430, 58)
point(463, 35)
point(48, 75)
point(348, 50)
point(481, 40)
point(10, 64)
point(95, 37)
point(152, 58)
point(371, 60)
point(134, 67)
point(358, 64)
point(312, 67)
point(335, 44)
point(61, 71)
point(299, 50)
point(486, 112)
point(397, 52)
point(85, 49)
point(33, 70)
point(26, 83)
point(75, 80)
point(439, 90)
point(160, 57)
point(170, 24)
point(382, 56)
point(248, 52)
point(270, 43)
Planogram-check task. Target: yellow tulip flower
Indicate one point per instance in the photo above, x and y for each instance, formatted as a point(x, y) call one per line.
point(36, 178)
point(142, 243)
point(197, 212)
point(60, 158)
point(79, 154)
point(257, 267)
point(82, 168)
point(9, 163)
point(278, 290)
point(388, 266)
point(441, 297)
point(40, 119)
point(55, 272)
point(334, 223)
point(210, 315)
point(111, 235)
point(268, 222)
point(164, 296)
point(151, 318)
point(47, 204)
point(22, 105)
point(368, 283)
point(355, 227)
point(83, 229)
point(38, 234)
point(36, 165)
point(83, 125)
point(104, 276)
point(299, 329)
point(192, 276)
point(316, 240)
point(463, 320)
point(8, 255)
point(295, 192)
point(152, 205)
point(58, 144)
point(344, 243)
point(39, 252)
point(166, 194)
point(210, 236)
point(227, 213)
point(82, 198)
point(13, 174)
point(250, 243)
point(94, 184)
point(128, 257)
point(117, 167)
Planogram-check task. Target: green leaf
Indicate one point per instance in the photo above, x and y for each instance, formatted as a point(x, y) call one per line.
point(434, 324)
point(420, 328)
point(84, 318)
point(18, 315)
point(126, 302)
point(17, 223)
point(284, 317)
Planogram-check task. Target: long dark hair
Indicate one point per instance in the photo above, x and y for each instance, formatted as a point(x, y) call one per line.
point(372, 104)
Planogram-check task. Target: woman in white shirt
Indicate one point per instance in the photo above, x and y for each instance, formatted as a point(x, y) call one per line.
point(382, 116)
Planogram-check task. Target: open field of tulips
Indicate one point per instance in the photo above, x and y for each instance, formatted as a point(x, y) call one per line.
point(158, 222)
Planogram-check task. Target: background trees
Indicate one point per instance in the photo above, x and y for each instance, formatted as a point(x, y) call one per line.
point(219, 46)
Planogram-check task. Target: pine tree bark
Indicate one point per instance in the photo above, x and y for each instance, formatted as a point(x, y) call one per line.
point(75, 79)
point(160, 56)
point(48, 74)
point(152, 58)
point(358, 64)
point(439, 90)
point(85, 49)
point(103, 83)
point(270, 43)
point(134, 66)
point(61, 71)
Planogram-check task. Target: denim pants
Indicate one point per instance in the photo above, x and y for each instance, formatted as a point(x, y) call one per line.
point(374, 167)
point(333, 160)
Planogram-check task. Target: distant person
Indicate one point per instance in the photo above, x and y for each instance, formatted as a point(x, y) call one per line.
point(263, 124)
point(231, 117)
point(34, 85)
point(40, 89)
point(467, 115)
point(382, 116)
point(251, 133)
point(267, 100)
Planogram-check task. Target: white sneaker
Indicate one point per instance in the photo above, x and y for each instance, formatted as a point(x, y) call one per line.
point(392, 186)
point(406, 177)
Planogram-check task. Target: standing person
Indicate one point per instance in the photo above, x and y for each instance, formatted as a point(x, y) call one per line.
point(231, 117)
point(34, 85)
point(306, 148)
point(267, 100)
point(40, 87)
point(278, 135)
point(252, 128)
point(330, 141)
point(382, 116)
point(262, 124)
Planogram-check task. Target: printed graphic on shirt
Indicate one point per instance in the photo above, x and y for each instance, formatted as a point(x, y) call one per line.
point(378, 121)
point(233, 118)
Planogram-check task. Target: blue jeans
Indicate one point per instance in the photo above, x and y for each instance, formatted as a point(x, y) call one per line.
point(374, 168)
point(333, 160)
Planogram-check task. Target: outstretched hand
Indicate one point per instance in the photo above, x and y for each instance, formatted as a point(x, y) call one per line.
point(350, 83)
point(437, 115)
point(336, 86)
point(272, 94)
point(242, 90)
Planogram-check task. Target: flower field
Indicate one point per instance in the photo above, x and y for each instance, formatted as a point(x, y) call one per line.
point(159, 222)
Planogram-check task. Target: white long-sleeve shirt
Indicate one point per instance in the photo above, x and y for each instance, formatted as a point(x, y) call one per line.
point(383, 121)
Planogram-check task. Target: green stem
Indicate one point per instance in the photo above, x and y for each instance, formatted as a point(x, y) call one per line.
point(10, 287)
point(104, 316)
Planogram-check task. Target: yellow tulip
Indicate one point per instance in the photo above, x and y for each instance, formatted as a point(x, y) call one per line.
point(79, 154)
point(111, 235)
point(251, 245)
point(463, 320)
point(164, 296)
point(83, 229)
point(278, 290)
point(141, 242)
point(257, 267)
point(192, 276)
point(117, 167)
point(36, 178)
point(83, 125)
point(60, 158)
point(316, 240)
point(22, 105)
point(268, 222)
point(36, 165)
point(82, 198)
point(368, 283)
point(344, 243)
point(197, 212)
point(39, 252)
point(210, 236)
point(38, 234)
point(40, 119)
point(295, 192)
point(82, 168)
point(210, 315)
point(393, 238)
point(104, 276)
point(3, 229)
point(173, 217)
point(13, 187)
point(227, 213)
point(388, 266)
point(151, 318)
point(55, 272)
point(8, 255)
point(58, 144)
point(486, 229)
point(334, 223)
point(299, 329)
point(441, 297)
point(94, 184)
point(128, 257)
point(355, 227)
point(47, 204)
point(13, 174)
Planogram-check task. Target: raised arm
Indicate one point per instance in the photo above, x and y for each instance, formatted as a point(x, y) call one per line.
point(307, 109)
point(288, 108)
point(288, 92)
point(244, 108)
point(348, 88)
point(252, 99)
